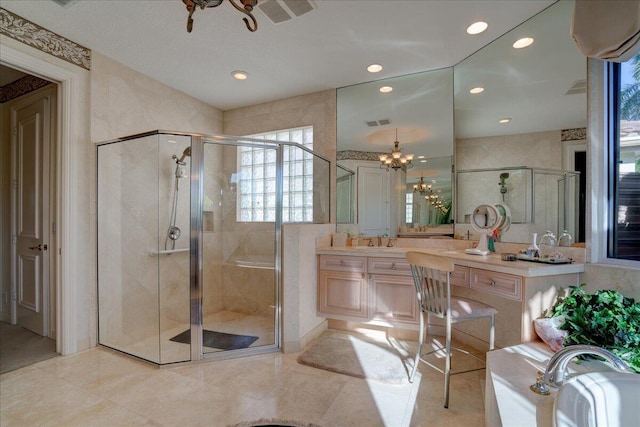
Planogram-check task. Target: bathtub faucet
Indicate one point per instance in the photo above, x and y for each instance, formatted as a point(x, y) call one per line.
point(555, 373)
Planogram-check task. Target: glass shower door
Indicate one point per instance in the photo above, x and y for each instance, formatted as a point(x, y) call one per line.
point(239, 224)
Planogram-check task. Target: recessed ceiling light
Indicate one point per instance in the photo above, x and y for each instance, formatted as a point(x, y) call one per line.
point(240, 75)
point(423, 161)
point(477, 90)
point(523, 42)
point(505, 120)
point(386, 89)
point(374, 68)
point(477, 27)
point(421, 157)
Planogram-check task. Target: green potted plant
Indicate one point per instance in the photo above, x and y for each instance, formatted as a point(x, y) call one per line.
point(605, 318)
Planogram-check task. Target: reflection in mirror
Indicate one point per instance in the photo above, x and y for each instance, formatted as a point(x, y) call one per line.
point(345, 192)
point(530, 115)
point(429, 198)
point(418, 113)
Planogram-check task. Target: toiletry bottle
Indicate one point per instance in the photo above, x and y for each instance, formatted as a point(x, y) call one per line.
point(533, 250)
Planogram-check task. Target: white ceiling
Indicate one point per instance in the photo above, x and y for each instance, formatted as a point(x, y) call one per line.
point(323, 49)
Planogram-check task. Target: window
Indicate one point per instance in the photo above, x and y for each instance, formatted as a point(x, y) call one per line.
point(409, 211)
point(257, 182)
point(624, 165)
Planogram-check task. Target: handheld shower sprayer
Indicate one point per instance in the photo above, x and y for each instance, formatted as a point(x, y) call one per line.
point(174, 232)
point(185, 153)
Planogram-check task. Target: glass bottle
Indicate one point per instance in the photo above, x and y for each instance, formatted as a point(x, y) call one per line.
point(533, 250)
point(547, 244)
point(565, 239)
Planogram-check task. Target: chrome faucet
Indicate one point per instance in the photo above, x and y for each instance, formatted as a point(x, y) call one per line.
point(556, 371)
point(380, 236)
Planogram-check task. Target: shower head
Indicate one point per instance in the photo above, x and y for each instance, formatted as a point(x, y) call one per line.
point(185, 153)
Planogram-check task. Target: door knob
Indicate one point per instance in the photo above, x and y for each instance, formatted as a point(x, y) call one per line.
point(40, 247)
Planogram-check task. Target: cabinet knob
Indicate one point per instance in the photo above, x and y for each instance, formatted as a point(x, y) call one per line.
point(342, 262)
point(492, 283)
point(393, 266)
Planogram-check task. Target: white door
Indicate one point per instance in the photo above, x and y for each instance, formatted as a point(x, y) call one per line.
point(30, 173)
point(373, 201)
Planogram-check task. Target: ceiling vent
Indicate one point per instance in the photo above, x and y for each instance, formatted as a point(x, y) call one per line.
point(66, 3)
point(381, 122)
point(279, 11)
point(579, 86)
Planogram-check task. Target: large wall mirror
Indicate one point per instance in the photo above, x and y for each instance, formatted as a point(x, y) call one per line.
point(522, 133)
point(416, 111)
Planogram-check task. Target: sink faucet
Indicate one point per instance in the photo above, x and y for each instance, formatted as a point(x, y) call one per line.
point(370, 242)
point(380, 236)
point(555, 373)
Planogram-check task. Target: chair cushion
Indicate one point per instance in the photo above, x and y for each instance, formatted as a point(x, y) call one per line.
point(464, 308)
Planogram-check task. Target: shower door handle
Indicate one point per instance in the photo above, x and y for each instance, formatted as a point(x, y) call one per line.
point(40, 247)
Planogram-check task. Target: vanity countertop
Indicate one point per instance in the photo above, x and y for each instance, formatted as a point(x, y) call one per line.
point(488, 262)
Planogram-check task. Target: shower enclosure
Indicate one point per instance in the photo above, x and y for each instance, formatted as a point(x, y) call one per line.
point(189, 241)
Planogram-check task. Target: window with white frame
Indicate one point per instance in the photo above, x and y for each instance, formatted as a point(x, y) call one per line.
point(624, 161)
point(409, 208)
point(257, 179)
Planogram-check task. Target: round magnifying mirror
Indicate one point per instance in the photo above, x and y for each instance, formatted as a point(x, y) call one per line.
point(485, 217)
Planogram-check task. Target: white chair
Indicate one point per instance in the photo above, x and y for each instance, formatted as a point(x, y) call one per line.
point(431, 278)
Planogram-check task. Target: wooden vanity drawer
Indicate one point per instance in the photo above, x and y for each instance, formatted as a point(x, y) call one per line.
point(394, 266)
point(353, 264)
point(460, 276)
point(504, 285)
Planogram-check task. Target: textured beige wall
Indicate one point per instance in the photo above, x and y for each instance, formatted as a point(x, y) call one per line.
point(601, 276)
point(535, 150)
point(126, 102)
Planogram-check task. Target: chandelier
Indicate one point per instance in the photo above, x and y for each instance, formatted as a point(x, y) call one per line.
point(246, 8)
point(422, 187)
point(430, 195)
point(396, 160)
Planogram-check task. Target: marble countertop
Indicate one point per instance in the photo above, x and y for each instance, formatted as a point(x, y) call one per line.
point(488, 262)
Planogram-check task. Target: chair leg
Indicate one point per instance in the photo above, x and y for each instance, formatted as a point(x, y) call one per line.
point(447, 367)
point(492, 333)
point(419, 351)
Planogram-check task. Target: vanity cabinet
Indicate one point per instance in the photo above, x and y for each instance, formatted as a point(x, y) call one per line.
point(342, 286)
point(379, 290)
point(393, 294)
point(460, 276)
point(369, 289)
point(518, 299)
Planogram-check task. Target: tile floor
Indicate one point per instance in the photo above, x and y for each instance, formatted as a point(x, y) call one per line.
point(100, 387)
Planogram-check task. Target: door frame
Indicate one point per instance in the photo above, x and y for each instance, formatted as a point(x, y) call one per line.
point(48, 291)
point(71, 129)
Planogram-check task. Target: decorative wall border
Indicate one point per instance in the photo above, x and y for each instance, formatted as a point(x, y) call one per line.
point(358, 155)
point(27, 32)
point(573, 134)
point(21, 87)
